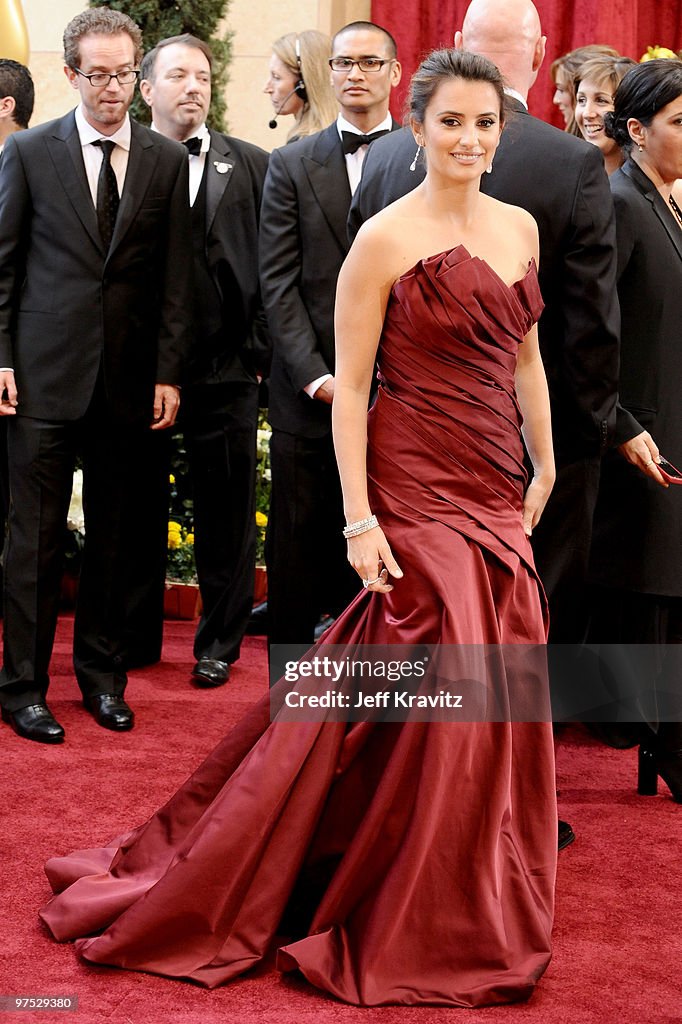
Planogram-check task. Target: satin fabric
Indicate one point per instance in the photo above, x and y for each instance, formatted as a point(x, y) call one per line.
point(411, 862)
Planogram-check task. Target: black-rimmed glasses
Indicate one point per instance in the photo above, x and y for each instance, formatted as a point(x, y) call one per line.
point(365, 63)
point(102, 78)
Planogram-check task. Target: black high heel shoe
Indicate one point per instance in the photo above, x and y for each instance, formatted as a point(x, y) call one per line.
point(652, 763)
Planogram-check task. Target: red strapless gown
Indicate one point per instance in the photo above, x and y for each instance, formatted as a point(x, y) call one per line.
point(427, 851)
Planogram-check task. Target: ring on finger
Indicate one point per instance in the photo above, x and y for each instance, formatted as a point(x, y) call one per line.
point(368, 583)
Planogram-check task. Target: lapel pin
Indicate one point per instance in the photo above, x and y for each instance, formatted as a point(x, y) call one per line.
point(222, 168)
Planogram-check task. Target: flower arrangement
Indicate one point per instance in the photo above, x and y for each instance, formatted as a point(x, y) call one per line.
point(180, 567)
point(656, 52)
point(263, 480)
point(75, 524)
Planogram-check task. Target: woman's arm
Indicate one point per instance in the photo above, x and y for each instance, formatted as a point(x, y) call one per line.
point(362, 294)
point(531, 390)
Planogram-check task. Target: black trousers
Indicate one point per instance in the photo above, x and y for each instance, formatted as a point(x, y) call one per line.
point(42, 455)
point(308, 569)
point(147, 549)
point(219, 422)
point(561, 548)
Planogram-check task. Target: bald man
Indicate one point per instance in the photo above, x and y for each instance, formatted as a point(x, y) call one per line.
point(561, 181)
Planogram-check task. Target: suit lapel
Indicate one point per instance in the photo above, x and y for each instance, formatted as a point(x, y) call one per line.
point(220, 161)
point(64, 146)
point(142, 160)
point(660, 207)
point(325, 169)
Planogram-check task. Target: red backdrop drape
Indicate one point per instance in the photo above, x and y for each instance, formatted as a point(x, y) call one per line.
point(628, 25)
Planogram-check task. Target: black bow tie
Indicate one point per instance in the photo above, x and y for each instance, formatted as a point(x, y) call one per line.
point(193, 146)
point(352, 142)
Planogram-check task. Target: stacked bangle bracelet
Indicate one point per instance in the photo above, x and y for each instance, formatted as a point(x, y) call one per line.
point(362, 526)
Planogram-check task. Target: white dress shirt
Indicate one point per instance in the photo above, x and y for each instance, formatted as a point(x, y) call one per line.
point(354, 170)
point(196, 163)
point(354, 160)
point(93, 156)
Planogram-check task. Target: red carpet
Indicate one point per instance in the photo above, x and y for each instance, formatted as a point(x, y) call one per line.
point(618, 932)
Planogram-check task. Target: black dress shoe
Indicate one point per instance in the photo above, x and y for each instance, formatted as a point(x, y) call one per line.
point(323, 625)
point(566, 835)
point(259, 620)
point(36, 722)
point(110, 710)
point(211, 672)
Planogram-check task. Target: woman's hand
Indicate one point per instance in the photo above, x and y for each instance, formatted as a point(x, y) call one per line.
point(642, 451)
point(535, 499)
point(371, 557)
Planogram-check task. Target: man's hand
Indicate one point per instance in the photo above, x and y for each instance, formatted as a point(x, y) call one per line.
point(642, 451)
point(8, 393)
point(325, 392)
point(166, 405)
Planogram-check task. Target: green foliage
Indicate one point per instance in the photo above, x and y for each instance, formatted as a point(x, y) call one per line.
point(159, 19)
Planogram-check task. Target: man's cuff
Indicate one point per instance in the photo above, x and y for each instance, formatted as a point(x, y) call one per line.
point(311, 388)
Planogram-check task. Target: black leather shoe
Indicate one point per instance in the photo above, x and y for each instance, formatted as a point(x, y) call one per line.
point(36, 722)
point(210, 672)
point(566, 835)
point(110, 711)
point(323, 625)
point(259, 620)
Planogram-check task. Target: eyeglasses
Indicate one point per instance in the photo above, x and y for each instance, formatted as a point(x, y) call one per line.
point(365, 63)
point(102, 78)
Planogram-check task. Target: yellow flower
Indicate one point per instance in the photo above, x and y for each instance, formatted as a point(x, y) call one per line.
point(174, 527)
point(171, 479)
point(261, 519)
point(655, 52)
point(174, 540)
point(189, 539)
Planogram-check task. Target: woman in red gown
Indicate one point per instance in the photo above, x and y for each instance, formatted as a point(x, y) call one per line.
point(422, 852)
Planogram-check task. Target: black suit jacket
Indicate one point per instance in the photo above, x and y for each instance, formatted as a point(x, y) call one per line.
point(66, 305)
point(561, 181)
point(303, 242)
point(638, 524)
point(235, 172)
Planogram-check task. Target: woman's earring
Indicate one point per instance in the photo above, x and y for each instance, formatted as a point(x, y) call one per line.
point(413, 165)
point(489, 168)
point(640, 149)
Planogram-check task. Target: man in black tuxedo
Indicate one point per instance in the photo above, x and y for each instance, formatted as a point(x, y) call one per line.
point(93, 335)
point(561, 181)
point(220, 398)
point(16, 107)
point(302, 246)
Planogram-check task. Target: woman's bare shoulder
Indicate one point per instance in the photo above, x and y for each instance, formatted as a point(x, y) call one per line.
point(386, 238)
point(517, 223)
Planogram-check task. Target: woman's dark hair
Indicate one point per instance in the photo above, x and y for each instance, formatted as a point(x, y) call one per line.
point(441, 66)
point(645, 90)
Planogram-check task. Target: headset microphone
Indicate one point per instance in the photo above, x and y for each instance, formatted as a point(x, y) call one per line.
point(300, 88)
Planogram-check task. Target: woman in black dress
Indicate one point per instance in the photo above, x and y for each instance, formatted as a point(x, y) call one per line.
point(637, 545)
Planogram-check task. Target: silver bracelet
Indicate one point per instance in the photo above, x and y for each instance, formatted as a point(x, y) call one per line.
point(362, 526)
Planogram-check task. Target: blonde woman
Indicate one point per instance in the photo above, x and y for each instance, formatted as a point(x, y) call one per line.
point(298, 82)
